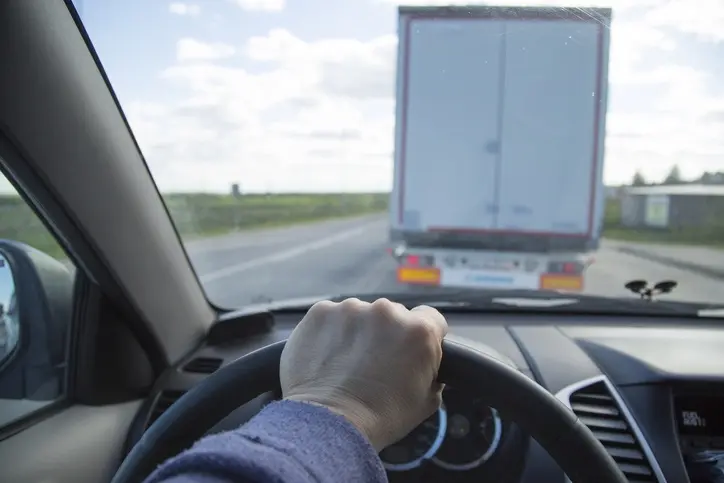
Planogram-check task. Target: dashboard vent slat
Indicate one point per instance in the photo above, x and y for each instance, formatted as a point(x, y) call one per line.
point(203, 365)
point(595, 410)
point(596, 407)
point(614, 438)
point(164, 401)
point(600, 423)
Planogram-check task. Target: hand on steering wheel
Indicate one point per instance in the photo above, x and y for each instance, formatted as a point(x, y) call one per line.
point(346, 356)
point(333, 358)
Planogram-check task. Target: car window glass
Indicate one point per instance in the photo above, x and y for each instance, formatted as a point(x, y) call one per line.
point(36, 280)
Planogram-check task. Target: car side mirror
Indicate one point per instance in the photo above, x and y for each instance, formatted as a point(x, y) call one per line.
point(9, 324)
point(36, 295)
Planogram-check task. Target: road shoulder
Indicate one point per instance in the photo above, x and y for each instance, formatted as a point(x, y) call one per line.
point(701, 260)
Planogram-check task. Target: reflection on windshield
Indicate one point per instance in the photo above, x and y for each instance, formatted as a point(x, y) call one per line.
point(317, 149)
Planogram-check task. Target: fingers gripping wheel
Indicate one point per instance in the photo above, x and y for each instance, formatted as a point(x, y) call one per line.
point(555, 427)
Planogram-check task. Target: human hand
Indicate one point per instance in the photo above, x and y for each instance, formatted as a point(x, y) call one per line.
point(374, 363)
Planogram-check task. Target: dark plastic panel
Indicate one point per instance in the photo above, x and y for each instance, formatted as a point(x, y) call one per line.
point(641, 356)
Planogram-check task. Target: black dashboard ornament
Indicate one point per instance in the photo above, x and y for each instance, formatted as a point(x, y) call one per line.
point(642, 288)
point(665, 286)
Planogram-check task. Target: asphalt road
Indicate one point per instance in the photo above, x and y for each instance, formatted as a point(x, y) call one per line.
point(348, 256)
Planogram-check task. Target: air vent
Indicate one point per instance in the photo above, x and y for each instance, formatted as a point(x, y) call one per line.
point(203, 365)
point(164, 401)
point(598, 408)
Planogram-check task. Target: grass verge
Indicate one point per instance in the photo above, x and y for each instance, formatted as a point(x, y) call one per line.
point(200, 215)
point(703, 238)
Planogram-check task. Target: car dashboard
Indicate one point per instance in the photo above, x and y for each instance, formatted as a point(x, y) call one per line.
point(650, 389)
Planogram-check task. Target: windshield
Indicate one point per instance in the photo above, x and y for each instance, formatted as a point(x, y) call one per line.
point(336, 147)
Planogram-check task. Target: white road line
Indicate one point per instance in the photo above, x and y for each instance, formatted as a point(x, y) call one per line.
point(286, 254)
point(261, 236)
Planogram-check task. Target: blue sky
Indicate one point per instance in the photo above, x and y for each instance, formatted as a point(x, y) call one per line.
point(139, 58)
point(298, 94)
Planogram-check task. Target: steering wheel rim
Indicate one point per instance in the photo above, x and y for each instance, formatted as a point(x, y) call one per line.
point(556, 428)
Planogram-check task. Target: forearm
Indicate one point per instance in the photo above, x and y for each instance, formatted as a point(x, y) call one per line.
point(287, 442)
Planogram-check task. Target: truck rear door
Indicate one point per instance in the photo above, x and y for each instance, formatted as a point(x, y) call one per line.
point(550, 126)
point(447, 154)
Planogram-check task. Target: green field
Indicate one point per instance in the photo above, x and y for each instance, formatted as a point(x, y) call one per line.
point(199, 215)
point(711, 235)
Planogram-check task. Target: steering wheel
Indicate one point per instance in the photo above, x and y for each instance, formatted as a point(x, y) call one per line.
point(569, 442)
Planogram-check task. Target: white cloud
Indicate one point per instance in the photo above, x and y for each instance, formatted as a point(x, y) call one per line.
point(181, 8)
point(319, 115)
point(630, 43)
point(261, 5)
point(188, 49)
point(684, 127)
point(321, 112)
point(701, 18)
point(345, 67)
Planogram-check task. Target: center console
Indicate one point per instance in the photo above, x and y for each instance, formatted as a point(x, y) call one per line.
point(699, 413)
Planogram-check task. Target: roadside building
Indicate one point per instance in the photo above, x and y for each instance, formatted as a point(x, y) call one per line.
point(672, 206)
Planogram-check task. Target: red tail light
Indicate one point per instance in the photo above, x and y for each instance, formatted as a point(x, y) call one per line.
point(571, 268)
point(412, 260)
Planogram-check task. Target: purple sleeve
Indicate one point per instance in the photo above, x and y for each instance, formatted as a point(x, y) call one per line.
point(286, 442)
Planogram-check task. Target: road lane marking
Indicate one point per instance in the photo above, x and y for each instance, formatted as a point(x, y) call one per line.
point(286, 254)
point(264, 236)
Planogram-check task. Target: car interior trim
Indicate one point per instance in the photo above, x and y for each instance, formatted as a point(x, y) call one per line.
point(564, 395)
point(59, 221)
point(85, 137)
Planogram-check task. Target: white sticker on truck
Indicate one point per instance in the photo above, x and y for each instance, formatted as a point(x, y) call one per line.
point(488, 279)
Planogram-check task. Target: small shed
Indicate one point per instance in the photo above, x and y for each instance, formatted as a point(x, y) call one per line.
point(672, 206)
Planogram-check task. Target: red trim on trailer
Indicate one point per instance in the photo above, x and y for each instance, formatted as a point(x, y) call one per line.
point(596, 130)
point(483, 231)
point(403, 121)
point(508, 14)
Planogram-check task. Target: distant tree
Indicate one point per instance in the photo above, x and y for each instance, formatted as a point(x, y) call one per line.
point(711, 178)
point(674, 176)
point(638, 179)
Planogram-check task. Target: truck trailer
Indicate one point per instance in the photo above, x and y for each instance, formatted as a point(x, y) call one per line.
point(499, 145)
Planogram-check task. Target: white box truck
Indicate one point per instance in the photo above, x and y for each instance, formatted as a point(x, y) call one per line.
point(499, 145)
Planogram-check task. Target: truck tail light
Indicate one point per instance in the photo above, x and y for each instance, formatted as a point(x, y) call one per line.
point(418, 260)
point(567, 268)
point(412, 260)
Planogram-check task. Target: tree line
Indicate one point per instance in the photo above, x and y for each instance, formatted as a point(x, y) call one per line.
point(674, 177)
